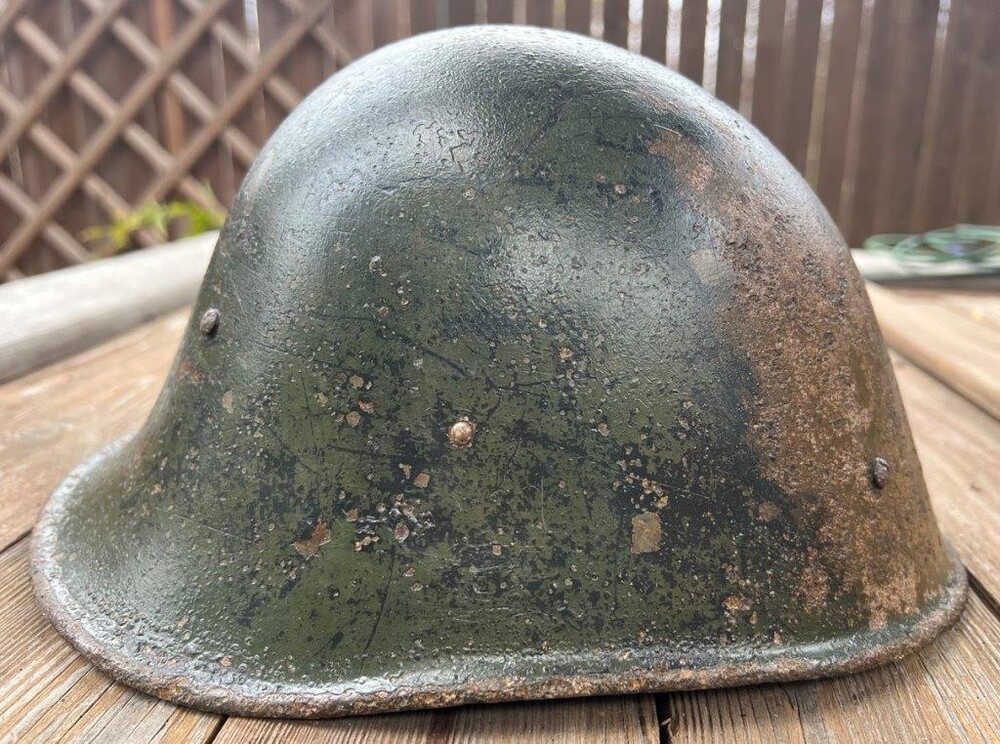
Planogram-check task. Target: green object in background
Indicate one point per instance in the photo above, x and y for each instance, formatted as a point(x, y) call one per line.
point(189, 217)
point(523, 369)
point(979, 244)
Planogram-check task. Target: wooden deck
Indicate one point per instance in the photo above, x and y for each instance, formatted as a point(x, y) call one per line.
point(947, 357)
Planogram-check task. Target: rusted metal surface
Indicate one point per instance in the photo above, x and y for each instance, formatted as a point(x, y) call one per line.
point(535, 372)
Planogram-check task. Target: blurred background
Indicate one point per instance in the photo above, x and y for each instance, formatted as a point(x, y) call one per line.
point(127, 122)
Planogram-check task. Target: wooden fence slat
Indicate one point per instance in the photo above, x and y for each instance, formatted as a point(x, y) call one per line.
point(798, 98)
point(616, 22)
point(9, 13)
point(979, 139)
point(767, 67)
point(239, 97)
point(423, 16)
point(499, 11)
point(732, 29)
point(538, 13)
point(53, 232)
point(578, 16)
point(838, 100)
point(107, 135)
point(71, 60)
point(386, 19)
point(914, 29)
point(654, 29)
point(935, 199)
point(873, 120)
point(694, 16)
point(95, 186)
point(461, 13)
point(141, 141)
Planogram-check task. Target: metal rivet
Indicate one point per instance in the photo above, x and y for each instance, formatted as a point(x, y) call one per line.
point(461, 433)
point(209, 322)
point(880, 472)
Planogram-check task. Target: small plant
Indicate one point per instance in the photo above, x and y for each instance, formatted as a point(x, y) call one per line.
point(187, 217)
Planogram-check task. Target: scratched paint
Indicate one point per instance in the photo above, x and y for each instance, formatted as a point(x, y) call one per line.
point(484, 412)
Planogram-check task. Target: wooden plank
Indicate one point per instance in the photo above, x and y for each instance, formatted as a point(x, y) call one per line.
point(914, 28)
point(767, 67)
point(959, 448)
point(61, 313)
point(55, 418)
point(732, 29)
point(956, 350)
point(499, 11)
point(838, 100)
point(694, 18)
point(654, 29)
point(578, 16)
point(949, 691)
point(798, 100)
point(616, 22)
point(936, 186)
point(49, 693)
point(629, 720)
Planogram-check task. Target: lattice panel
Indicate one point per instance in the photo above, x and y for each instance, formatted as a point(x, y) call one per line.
point(110, 104)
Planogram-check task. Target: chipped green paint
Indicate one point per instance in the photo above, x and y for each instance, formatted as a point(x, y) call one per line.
point(492, 392)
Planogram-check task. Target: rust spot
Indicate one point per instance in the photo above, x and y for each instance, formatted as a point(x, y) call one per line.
point(209, 322)
point(422, 480)
point(880, 472)
point(461, 433)
point(401, 532)
point(565, 354)
point(357, 381)
point(353, 419)
point(686, 156)
point(366, 406)
point(310, 546)
point(646, 532)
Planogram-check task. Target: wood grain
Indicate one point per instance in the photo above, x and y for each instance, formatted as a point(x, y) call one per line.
point(949, 691)
point(767, 67)
point(628, 720)
point(55, 418)
point(959, 351)
point(50, 317)
point(48, 692)
point(959, 449)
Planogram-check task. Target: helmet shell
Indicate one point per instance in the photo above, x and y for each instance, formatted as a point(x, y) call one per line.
point(523, 368)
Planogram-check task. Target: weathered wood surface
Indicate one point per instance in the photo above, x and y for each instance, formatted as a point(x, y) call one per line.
point(950, 691)
point(958, 347)
point(50, 317)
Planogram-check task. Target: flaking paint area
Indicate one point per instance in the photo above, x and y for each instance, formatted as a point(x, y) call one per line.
point(555, 276)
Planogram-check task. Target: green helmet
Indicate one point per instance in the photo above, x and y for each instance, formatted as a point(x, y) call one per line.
point(523, 369)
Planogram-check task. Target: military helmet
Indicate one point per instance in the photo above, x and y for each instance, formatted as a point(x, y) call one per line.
point(523, 368)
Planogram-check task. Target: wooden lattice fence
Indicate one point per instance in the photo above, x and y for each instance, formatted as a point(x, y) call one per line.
point(891, 108)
